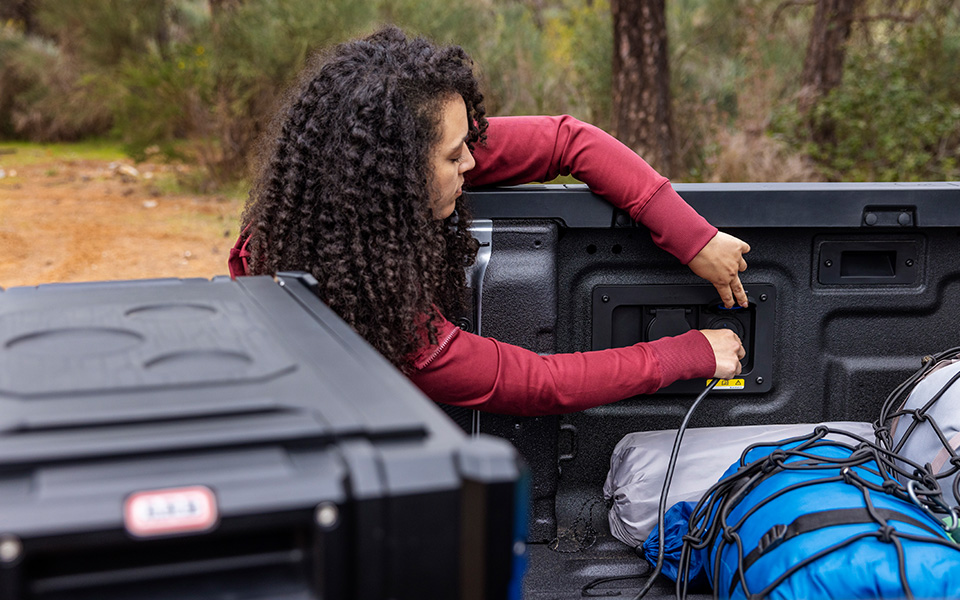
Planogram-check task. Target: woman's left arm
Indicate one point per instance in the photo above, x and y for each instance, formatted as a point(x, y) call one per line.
point(525, 149)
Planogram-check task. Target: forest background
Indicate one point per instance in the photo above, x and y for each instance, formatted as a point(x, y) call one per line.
point(731, 90)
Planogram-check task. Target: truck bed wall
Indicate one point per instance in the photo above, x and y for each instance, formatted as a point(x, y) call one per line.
point(840, 344)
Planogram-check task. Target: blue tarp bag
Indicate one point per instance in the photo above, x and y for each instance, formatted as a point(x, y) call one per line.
point(811, 518)
point(676, 523)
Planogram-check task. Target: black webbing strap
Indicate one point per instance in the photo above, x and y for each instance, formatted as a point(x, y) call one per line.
point(778, 534)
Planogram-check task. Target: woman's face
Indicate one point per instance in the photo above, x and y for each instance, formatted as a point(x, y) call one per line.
point(451, 158)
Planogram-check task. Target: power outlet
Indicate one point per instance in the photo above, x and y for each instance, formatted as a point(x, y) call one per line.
point(624, 315)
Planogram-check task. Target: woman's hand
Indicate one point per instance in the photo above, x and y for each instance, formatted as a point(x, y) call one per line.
point(720, 262)
point(727, 350)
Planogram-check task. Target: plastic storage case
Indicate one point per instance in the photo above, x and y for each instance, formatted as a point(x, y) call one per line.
point(233, 439)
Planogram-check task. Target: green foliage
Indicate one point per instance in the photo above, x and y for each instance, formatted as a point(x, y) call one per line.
point(514, 53)
point(105, 32)
point(581, 44)
point(731, 63)
point(465, 24)
point(219, 80)
point(43, 97)
point(260, 44)
point(198, 80)
point(161, 100)
point(553, 58)
point(896, 117)
point(706, 43)
point(705, 70)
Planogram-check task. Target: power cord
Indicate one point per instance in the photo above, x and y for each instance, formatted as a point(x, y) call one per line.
point(662, 509)
point(666, 488)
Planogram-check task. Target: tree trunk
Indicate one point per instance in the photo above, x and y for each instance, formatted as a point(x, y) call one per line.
point(641, 81)
point(823, 65)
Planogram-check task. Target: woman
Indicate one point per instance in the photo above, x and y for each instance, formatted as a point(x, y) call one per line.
point(363, 189)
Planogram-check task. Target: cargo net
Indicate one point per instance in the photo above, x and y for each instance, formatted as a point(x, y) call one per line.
point(835, 493)
point(920, 420)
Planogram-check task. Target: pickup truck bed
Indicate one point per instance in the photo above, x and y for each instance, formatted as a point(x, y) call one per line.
point(850, 286)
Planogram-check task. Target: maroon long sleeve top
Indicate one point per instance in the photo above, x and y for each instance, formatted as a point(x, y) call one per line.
point(468, 370)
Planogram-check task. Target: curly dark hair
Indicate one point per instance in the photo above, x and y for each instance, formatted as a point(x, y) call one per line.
point(344, 190)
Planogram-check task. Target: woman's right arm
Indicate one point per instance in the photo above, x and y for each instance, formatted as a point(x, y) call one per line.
point(535, 148)
point(467, 370)
point(525, 149)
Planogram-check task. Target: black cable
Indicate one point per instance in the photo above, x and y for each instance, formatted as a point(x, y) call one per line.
point(671, 466)
point(585, 590)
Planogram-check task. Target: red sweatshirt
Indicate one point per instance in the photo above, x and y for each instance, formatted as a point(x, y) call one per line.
point(467, 370)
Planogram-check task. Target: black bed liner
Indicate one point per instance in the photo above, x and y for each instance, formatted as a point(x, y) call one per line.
point(866, 280)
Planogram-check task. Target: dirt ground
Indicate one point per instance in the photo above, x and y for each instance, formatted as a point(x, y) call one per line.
point(89, 220)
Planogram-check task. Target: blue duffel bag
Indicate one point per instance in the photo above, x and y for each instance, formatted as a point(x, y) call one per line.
point(811, 518)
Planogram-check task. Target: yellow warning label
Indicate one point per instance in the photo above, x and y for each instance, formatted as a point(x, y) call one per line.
point(728, 384)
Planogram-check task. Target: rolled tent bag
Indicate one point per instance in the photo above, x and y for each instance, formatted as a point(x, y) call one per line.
point(814, 518)
point(920, 422)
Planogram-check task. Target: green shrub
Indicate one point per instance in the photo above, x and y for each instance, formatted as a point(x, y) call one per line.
point(162, 100)
point(896, 116)
point(174, 76)
point(105, 33)
point(43, 95)
point(219, 80)
point(580, 43)
point(171, 75)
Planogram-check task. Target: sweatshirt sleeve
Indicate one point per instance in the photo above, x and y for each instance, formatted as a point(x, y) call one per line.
point(525, 149)
point(467, 370)
point(237, 261)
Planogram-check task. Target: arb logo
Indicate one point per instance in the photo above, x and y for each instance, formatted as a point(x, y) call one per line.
point(170, 511)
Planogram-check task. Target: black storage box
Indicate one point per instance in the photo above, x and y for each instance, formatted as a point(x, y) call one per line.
point(233, 439)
